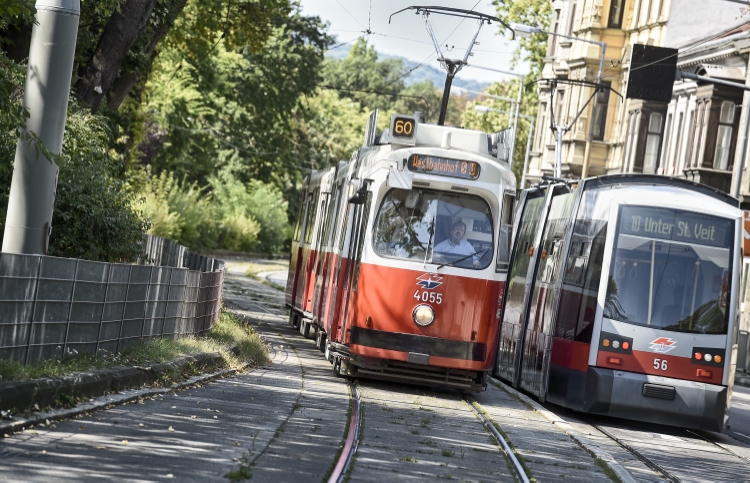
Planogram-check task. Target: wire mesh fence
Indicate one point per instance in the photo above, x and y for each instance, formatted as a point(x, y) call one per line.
point(51, 307)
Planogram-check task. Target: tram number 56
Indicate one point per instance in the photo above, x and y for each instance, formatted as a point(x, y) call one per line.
point(660, 364)
point(432, 297)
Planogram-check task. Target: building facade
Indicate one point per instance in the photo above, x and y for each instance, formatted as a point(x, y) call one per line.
point(614, 135)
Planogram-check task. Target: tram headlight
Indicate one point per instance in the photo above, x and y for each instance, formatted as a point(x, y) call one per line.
point(616, 344)
point(605, 342)
point(423, 315)
point(717, 359)
point(707, 358)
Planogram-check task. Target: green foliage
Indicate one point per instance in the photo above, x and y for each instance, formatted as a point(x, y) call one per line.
point(227, 214)
point(93, 218)
point(537, 13)
point(235, 107)
point(179, 210)
point(16, 12)
point(255, 216)
point(493, 121)
point(379, 84)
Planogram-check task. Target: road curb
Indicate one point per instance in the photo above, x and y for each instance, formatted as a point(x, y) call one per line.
point(742, 380)
point(591, 447)
point(23, 395)
point(103, 402)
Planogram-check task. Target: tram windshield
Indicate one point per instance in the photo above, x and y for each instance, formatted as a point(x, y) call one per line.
point(435, 227)
point(671, 269)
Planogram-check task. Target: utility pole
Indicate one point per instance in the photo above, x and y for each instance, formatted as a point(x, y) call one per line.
point(50, 69)
point(527, 30)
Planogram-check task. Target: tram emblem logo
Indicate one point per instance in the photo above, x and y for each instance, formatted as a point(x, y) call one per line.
point(662, 345)
point(429, 281)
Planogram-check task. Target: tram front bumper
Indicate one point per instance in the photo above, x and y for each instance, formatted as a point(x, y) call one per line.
point(674, 402)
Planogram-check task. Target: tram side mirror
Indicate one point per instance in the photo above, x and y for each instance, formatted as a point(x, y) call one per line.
point(400, 179)
point(357, 194)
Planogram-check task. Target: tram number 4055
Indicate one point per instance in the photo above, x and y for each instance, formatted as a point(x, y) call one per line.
point(432, 297)
point(660, 364)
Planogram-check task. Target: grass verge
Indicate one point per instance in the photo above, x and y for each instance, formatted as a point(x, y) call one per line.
point(227, 334)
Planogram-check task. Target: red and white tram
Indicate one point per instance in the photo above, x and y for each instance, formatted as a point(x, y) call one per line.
point(400, 256)
point(622, 299)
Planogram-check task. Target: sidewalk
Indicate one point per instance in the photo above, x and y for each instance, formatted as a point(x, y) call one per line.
point(742, 379)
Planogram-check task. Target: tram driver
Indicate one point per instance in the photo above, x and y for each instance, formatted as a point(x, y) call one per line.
point(455, 244)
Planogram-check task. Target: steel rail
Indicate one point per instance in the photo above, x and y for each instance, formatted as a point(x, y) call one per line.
point(352, 439)
point(660, 470)
point(719, 445)
point(520, 472)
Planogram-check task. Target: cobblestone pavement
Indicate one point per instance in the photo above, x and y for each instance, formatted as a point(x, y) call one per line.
point(423, 434)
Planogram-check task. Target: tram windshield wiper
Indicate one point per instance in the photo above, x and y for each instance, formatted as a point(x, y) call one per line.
point(453, 263)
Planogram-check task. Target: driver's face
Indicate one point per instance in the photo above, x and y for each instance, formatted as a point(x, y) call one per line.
point(457, 232)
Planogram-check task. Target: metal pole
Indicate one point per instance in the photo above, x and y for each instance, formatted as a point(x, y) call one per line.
point(528, 150)
point(32, 192)
point(515, 121)
point(446, 92)
point(590, 135)
point(558, 152)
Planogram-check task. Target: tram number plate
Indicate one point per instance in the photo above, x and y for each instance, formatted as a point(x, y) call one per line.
point(425, 296)
point(660, 364)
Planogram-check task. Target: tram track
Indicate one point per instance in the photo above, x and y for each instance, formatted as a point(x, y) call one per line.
point(655, 467)
point(352, 437)
point(489, 425)
point(693, 455)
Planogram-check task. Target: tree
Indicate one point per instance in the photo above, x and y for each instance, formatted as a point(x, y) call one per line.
point(235, 108)
point(493, 121)
point(528, 12)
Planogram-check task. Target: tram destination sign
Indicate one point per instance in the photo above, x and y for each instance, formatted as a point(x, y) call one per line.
point(676, 225)
point(443, 166)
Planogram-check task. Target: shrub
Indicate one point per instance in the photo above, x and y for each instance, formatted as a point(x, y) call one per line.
point(179, 211)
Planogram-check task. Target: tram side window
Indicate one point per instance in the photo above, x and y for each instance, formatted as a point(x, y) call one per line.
point(361, 244)
point(671, 269)
point(310, 220)
point(300, 218)
point(506, 230)
point(583, 272)
point(435, 227)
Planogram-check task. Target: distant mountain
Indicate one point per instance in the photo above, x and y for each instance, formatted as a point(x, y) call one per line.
point(427, 72)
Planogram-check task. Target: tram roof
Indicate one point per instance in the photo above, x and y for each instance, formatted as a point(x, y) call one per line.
point(652, 179)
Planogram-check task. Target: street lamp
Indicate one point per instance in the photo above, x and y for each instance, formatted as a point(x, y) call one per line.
point(518, 102)
point(526, 31)
point(485, 110)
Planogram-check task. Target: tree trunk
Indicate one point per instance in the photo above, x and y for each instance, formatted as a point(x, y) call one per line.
point(128, 80)
point(121, 31)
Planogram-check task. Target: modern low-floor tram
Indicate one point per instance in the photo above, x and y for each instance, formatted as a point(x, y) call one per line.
point(400, 256)
point(622, 299)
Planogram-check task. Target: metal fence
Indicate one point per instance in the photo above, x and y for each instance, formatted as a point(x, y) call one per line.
point(50, 307)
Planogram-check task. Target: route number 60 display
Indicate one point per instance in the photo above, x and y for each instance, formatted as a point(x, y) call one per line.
point(660, 364)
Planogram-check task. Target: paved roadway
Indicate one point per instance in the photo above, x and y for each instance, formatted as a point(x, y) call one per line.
point(287, 420)
point(739, 416)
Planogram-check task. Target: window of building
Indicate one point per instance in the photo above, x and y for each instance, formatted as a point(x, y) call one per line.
point(653, 140)
point(616, 10)
point(560, 107)
point(667, 135)
point(724, 135)
point(600, 112)
point(553, 38)
point(541, 128)
point(572, 19)
point(680, 135)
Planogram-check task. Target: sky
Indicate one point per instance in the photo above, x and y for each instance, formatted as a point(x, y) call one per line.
point(407, 36)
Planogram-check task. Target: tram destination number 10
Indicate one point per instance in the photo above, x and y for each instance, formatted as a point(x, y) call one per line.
point(425, 296)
